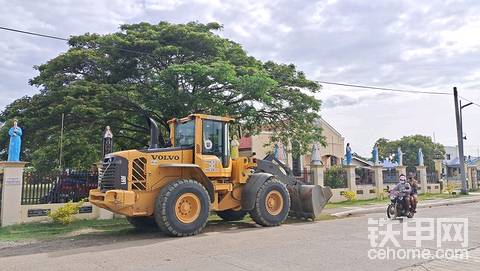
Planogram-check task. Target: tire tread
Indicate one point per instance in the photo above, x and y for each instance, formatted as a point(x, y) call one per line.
point(161, 208)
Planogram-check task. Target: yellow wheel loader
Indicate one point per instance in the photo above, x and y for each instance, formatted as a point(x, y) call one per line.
point(176, 187)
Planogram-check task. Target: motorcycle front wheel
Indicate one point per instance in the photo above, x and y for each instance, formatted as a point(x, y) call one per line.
point(392, 211)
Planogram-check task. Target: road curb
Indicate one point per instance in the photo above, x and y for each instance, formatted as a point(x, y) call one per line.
point(381, 209)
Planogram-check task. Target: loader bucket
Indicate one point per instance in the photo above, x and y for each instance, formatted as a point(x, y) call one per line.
point(307, 201)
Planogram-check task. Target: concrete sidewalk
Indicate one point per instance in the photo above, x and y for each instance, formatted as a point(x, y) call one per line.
point(380, 208)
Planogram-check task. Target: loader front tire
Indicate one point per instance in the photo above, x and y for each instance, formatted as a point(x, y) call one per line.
point(272, 204)
point(142, 222)
point(231, 215)
point(182, 208)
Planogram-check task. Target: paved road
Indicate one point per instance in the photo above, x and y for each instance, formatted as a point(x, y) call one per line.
point(327, 245)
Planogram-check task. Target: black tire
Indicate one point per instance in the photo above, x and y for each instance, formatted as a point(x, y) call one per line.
point(142, 222)
point(231, 215)
point(410, 214)
point(260, 214)
point(165, 208)
point(391, 211)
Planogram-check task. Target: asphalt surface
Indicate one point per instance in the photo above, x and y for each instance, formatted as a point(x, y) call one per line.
point(340, 244)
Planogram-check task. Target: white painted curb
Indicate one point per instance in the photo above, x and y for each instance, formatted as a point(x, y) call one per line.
point(381, 209)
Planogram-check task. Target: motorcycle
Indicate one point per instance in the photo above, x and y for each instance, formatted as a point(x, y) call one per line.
point(397, 207)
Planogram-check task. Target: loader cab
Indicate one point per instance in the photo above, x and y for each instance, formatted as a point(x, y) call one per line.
point(209, 137)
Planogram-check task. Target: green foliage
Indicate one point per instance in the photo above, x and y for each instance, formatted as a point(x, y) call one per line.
point(65, 214)
point(410, 145)
point(181, 69)
point(350, 195)
point(449, 188)
point(335, 177)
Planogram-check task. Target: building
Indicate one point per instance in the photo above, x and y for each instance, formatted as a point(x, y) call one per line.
point(331, 154)
point(451, 163)
point(451, 153)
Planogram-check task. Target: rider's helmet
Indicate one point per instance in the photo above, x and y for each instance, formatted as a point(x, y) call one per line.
point(403, 178)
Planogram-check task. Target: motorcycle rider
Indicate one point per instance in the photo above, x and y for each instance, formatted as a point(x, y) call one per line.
point(414, 192)
point(404, 189)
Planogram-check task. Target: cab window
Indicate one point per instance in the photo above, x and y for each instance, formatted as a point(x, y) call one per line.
point(215, 140)
point(185, 134)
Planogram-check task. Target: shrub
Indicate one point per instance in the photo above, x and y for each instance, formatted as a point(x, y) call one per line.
point(65, 214)
point(350, 195)
point(381, 195)
point(335, 177)
point(449, 188)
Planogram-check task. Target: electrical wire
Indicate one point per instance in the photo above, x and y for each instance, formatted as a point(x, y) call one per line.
point(65, 39)
point(32, 33)
point(468, 100)
point(322, 82)
point(386, 89)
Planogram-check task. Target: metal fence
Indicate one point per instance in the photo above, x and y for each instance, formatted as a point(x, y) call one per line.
point(305, 176)
point(432, 177)
point(335, 177)
point(390, 176)
point(42, 188)
point(364, 176)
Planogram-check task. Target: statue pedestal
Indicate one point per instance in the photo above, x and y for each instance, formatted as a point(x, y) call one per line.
point(317, 173)
point(472, 177)
point(11, 192)
point(351, 182)
point(401, 170)
point(475, 178)
point(422, 172)
point(378, 178)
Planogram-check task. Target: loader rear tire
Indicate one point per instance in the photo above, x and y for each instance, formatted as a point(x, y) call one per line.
point(272, 204)
point(182, 208)
point(142, 222)
point(231, 215)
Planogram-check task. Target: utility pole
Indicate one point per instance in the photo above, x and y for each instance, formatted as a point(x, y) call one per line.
point(61, 145)
point(461, 155)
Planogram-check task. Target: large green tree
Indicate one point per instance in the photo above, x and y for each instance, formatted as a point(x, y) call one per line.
point(162, 71)
point(387, 149)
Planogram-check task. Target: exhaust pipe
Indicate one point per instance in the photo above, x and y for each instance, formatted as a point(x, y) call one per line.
point(153, 134)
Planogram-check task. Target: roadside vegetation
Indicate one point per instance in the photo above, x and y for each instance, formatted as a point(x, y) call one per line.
point(44, 231)
point(359, 203)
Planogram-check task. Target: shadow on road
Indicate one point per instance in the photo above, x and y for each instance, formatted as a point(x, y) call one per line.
point(130, 237)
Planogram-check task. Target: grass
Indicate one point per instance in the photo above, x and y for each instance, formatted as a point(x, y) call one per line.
point(369, 202)
point(43, 231)
point(50, 230)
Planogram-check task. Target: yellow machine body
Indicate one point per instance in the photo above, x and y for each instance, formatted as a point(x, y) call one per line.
point(131, 180)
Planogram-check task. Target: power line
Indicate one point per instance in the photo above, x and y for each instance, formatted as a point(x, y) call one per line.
point(322, 82)
point(470, 101)
point(65, 39)
point(386, 89)
point(32, 33)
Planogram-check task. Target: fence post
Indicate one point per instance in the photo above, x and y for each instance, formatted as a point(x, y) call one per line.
point(11, 208)
point(422, 171)
point(438, 168)
point(351, 182)
point(378, 178)
point(317, 172)
point(401, 170)
point(471, 182)
point(475, 178)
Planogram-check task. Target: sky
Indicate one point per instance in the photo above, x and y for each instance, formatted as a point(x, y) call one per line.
point(414, 45)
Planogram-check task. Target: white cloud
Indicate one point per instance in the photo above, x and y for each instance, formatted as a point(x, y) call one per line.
point(430, 45)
